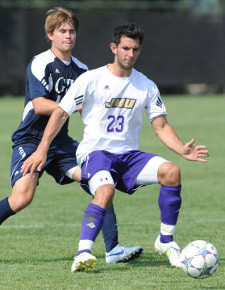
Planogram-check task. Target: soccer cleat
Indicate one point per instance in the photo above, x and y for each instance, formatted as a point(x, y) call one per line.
point(82, 262)
point(121, 254)
point(171, 250)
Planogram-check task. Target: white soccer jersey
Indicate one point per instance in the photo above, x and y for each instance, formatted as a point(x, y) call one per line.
point(112, 109)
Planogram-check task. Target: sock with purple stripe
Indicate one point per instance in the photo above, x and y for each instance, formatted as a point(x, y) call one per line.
point(166, 238)
point(169, 203)
point(82, 251)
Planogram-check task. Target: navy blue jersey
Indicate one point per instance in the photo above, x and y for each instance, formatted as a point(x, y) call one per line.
point(47, 76)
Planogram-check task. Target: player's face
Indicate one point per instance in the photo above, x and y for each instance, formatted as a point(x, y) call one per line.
point(127, 52)
point(63, 39)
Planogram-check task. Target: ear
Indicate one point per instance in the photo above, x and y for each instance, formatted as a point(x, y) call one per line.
point(50, 36)
point(113, 47)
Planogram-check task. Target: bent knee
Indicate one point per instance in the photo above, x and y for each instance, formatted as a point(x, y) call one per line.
point(20, 199)
point(169, 174)
point(23, 192)
point(104, 196)
point(19, 202)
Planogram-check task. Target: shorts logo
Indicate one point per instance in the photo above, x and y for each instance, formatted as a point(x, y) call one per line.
point(17, 172)
point(102, 179)
point(22, 152)
point(121, 103)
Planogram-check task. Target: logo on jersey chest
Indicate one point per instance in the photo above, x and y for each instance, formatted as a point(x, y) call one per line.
point(121, 103)
point(62, 85)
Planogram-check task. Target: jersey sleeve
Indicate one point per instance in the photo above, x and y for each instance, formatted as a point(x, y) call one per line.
point(79, 63)
point(155, 106)
point(73, 99)
point(35, 75)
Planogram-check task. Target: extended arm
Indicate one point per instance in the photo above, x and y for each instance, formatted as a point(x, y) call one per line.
point(168, 136)
point(38, 158)
point(44, 106)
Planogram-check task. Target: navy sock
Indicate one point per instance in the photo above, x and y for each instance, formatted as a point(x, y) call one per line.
point(5, 210)
point(109, 229)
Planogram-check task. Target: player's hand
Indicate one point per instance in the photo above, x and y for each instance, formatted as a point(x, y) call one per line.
point(195, 153)
point(36, 160)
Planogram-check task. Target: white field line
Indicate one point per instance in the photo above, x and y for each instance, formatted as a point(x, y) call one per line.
point(79, 224)
point(38, 226)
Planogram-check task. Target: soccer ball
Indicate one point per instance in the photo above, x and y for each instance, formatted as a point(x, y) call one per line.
point(199, 259)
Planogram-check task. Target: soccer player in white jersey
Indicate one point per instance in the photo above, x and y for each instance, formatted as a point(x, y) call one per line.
point(49, 75)
point(113, 99)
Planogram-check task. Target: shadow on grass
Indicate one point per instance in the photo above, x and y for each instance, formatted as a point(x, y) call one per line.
point(146, 259)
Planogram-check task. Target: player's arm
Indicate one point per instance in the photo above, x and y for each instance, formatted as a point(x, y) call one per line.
point(168, 136)
point(38, 158)
point(44, 106)
point(35, 74)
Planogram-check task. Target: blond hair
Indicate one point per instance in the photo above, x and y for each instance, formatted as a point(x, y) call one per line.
point(57, 16)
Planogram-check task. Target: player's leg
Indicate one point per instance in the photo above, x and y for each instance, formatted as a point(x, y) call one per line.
point(102, 187)
point(159, 170)
point(21, 196)
point(169, 201)
point(23, 188)
point(65, 169)
point(109, 228)
point(67, 164)
point(23, 192)
point(115, 253)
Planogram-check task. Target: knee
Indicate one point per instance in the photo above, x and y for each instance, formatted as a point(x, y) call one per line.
point(25, 201)
point(20, 201)
point(169, 174)
point(104, 196)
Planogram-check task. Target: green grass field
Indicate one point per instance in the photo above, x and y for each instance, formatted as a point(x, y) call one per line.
point(37, 245)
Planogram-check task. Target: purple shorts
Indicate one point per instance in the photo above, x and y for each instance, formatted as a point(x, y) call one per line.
point(124, 167)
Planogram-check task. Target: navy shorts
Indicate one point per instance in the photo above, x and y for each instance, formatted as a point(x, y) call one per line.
point(124, 167)
point(60, 159)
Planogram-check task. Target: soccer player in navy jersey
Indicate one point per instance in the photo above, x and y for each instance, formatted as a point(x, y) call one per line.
point(49, 76)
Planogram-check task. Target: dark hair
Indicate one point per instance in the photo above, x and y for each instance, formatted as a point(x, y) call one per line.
point(130, 30)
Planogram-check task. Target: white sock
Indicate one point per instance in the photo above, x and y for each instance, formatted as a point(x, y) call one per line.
point(167, 230)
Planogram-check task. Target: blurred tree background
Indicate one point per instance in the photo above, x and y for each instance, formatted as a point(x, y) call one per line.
point(193, 6)
point(184, 49)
